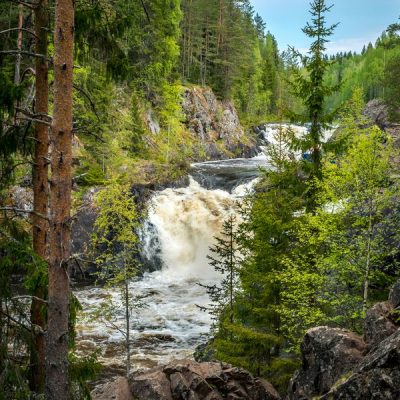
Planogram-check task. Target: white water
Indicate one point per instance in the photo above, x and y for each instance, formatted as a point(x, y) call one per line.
point(186, 220)
point(181, 226)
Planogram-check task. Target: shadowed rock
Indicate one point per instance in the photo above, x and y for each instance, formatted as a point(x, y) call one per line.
point(378, 325)
point(327, 354)
point(377, 377)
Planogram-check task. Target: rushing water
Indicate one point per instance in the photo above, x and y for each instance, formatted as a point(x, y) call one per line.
point(181, 226)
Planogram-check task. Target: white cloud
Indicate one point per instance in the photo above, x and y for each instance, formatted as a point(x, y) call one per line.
point(350, 44)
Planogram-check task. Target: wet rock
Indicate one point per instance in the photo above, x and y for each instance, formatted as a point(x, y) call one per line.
point(189, 380)
point(394, 296)
point(378, 325)
point(118, 389)
point(327, 354)
point(377, 376)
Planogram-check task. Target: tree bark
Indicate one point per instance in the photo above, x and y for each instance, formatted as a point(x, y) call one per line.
point(40, 196)
point(60, 205)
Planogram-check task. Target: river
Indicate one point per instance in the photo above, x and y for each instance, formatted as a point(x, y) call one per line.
point(181, 226)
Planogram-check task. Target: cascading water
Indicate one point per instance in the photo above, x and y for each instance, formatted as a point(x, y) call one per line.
point(181, 226)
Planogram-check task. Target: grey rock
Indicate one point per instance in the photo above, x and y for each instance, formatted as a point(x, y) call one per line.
point(118, 389)
point(327, 354)
point(394, 295)
point(377, 376)
point(151, 385)
point(378, 325)
point(212, 121)
point(377, 111)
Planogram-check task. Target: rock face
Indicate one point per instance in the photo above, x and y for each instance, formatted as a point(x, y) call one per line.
point(377, 377)
point(378, 324)
point(327, 354)
point(216, 124)
point(338, 364)
point(189, 380)
point(376, 110)
point(394, 296)
point(81, 231)
point(118, 389)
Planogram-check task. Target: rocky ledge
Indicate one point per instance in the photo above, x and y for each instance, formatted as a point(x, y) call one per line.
point(189, 380)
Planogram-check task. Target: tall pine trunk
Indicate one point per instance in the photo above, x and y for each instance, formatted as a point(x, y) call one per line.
point(60, 205)
point(40, 195)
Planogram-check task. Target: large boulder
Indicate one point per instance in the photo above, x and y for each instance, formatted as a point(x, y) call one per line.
point(327, 354)
point(394, 295)
point(118, 389)
point(189, 380)
point(378, 324)
point(377, 376)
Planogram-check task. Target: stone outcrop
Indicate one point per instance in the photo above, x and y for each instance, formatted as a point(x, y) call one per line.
point(327, 354)
point(189, 380)
point(118, 389)
point(216, 124)
point(394, 295)
point(378, 324)
point(377, 111)
point(338, 364)
point(376, 377)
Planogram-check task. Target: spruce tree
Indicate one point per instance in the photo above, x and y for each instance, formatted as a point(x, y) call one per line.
point(313, 90)
point(225, 257)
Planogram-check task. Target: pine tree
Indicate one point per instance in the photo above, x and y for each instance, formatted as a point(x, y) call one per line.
point(57, 382)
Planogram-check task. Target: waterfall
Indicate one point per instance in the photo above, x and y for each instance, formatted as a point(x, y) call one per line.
point(181, 226)
point(186, 221)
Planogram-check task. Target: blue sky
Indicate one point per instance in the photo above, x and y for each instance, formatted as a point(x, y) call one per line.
point(361, 21)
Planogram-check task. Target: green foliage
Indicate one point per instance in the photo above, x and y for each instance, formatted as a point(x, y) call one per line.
point(115, 242)
point(82, 369)
point(312, 88)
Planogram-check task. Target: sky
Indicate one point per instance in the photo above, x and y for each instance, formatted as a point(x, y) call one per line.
point(361, 21)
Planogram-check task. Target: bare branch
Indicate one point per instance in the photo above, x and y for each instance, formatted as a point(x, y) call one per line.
point(22, 211)
point(38, 121)
point(145, 10)
point(29, 297)
point(26, 53)
point(32, 6)
point(92, 105)
point(19, 29)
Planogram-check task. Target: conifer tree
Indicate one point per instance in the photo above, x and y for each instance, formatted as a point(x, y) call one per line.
point(57, 378)
point(313, 90)
point(225, 257)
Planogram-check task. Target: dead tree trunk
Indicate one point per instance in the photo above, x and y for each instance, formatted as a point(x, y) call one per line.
point(60, 205)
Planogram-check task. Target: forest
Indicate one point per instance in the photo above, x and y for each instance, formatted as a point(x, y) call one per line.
point(169, 155)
